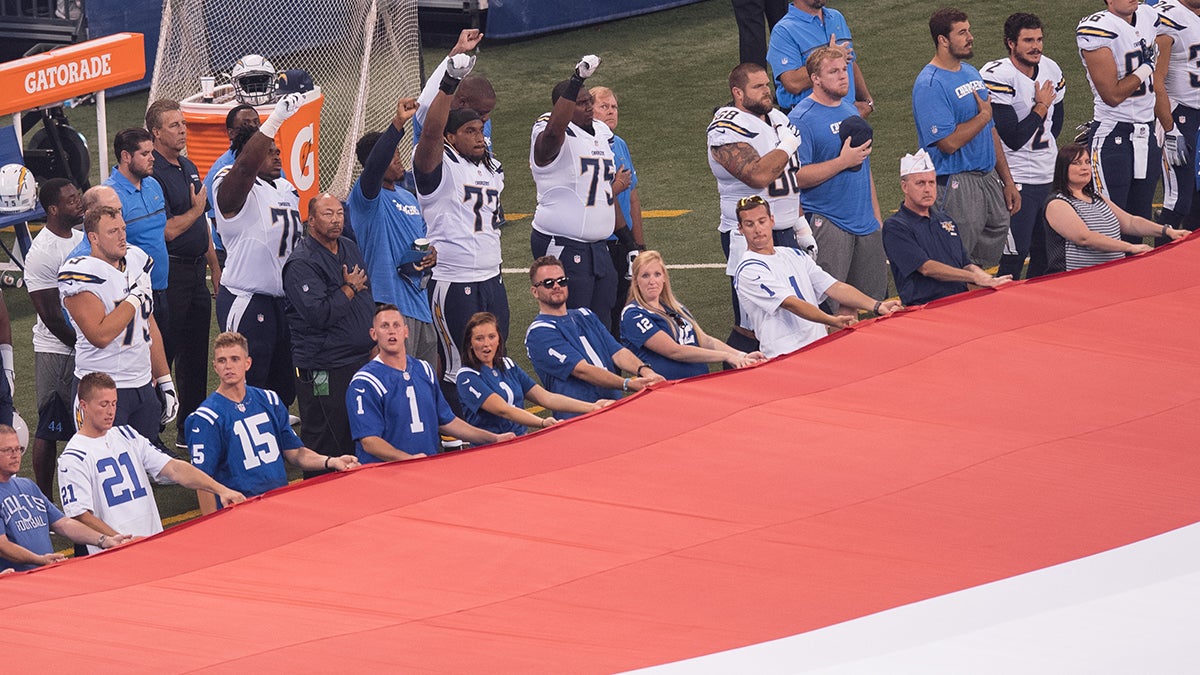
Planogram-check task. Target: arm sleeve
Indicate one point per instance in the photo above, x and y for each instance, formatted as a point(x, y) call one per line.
point(284, 435)
point(1015, 134)
point(444, 412)
point(550, 352)
point(74, 485)
point(637, 326)
point(364, 405)
point(153, 459)
point(1056, 119)
point(472, 390)
point(371, 181)
point(40, 272)
point(428, 92)
point(318, 302)
point(932, 111)
point(521, 377)
point(817, 276)
point(783, 53)
point(205, 444)
point(902, 248)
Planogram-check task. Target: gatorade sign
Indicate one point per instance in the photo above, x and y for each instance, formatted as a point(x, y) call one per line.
point(72, 71)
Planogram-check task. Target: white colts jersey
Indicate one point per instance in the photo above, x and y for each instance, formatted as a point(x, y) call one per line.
point(1124, 41)
point(107, 476)
point(1032, 163)
point(574, 192)
point(260, 237)
point(1182, 25)
point(731, 125)
point(127, 358)
point(461, 220)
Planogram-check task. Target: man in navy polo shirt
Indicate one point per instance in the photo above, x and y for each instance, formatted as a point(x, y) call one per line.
point(837, 190)
point(191, 255)
point(922, 243)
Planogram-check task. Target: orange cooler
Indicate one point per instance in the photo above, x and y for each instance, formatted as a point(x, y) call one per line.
point(298, 138)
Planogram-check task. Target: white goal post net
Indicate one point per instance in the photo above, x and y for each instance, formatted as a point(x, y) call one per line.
point(363, 54)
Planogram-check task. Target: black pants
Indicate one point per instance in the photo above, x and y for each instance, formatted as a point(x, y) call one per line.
point(324, 422)
point(186, 338)
point(588, 264)
point(752, 35)
point(260, 318)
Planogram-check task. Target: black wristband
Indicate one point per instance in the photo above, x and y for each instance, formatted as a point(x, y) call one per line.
point(573, 87)
point(877, 304)
point(639, 369)
point(327, 463)
point(449, 83)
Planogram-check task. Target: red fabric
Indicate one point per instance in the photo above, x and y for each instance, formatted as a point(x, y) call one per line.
point(968, 441)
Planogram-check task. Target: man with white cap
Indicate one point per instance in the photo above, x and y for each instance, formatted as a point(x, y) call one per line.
point(922, 243)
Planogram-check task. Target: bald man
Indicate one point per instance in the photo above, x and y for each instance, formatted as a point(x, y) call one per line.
point(329, 311)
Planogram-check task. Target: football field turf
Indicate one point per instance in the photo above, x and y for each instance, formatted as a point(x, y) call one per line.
point(669, 71)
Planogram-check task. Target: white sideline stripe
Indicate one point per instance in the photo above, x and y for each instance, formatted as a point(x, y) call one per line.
point(1132, 609)
point(684, 266)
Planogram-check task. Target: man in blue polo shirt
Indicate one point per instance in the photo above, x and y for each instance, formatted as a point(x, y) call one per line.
point(572, 352)
point(143, 207)
point(810, 24)
point(389, 221)
point(954, 125)
point(837, 190)
point(923, 243)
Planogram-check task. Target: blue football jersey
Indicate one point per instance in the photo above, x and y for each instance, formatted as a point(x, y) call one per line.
point(403, 407)
point(475, 386)
point(240, 444)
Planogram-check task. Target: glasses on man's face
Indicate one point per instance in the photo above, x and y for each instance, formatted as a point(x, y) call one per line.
point(752, 200)
point(14, 450)
point(551, 283)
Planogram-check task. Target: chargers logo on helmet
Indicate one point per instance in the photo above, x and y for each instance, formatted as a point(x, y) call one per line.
point(253, 79)
point(18, 190)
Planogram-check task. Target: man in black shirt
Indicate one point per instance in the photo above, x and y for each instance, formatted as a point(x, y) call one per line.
point(190, 252)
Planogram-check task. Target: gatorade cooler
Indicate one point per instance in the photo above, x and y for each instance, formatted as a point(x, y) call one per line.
point(298, 138)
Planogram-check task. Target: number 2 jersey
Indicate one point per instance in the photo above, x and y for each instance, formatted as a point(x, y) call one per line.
point(127, 357)
point(1125, 41)
point(1032, 163)
point(240, 443)
point(107, 476)
point(260, 237)
point(732, 125)
point(403, 407)
point(461, 220)
point(574, 192)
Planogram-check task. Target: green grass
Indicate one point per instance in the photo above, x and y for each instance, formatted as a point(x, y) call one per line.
point(669, 71)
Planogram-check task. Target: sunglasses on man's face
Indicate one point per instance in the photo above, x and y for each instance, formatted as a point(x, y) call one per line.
point(551, 283)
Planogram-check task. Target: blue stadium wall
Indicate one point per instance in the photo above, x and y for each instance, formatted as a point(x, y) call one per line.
point(507, 19)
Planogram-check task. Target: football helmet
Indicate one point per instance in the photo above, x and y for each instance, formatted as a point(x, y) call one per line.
point(18, 190)
point(253, 79)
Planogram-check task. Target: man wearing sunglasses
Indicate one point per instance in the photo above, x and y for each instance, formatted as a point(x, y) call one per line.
point(571, 350)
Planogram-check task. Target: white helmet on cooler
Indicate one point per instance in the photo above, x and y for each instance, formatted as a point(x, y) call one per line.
point(253, 79)
point(18, 190)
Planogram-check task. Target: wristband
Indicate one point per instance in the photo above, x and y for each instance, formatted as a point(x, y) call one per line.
point(449, 83)
point(1143, 72)
point(625, 386)
point(639, 369)
point(327, 463)
point(877, 304)
point(100, 541)
point(135, 301)
point(1164, 232)
point(573, 87)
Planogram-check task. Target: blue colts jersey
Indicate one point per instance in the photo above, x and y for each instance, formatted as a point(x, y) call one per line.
point(240, 444)
point(403, 407)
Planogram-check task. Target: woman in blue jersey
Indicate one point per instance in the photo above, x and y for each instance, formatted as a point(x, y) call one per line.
point(493, 389)
point(1085, 226)
point(663, 333)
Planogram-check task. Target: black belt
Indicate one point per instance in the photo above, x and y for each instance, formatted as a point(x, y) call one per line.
point(187, 260)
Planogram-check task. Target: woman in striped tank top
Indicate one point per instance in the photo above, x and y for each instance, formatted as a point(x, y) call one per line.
point(1085, 228)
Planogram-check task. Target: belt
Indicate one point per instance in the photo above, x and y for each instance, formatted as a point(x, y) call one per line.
point(187, 260)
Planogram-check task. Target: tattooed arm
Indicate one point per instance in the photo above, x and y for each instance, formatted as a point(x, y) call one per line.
point(745, 164)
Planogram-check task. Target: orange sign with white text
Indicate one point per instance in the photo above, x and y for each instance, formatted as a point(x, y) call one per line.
point(77, 70)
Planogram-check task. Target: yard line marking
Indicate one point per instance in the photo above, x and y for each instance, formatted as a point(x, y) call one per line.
point(649, 213)
point(682, 266)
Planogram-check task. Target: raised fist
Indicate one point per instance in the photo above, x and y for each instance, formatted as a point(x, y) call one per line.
point(587, 66)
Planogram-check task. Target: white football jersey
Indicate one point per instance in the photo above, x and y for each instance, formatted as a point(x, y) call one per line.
point(42, 263)
point(260, 237)
point(1032, 163)
point(763, 282)
point(461, 220)
point(1124, 41)
point(127, 358)
point(1182, 25)
point(574, 192)
point(107, 476)
point(731, 125)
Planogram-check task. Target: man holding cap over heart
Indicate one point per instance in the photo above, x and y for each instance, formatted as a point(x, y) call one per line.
point(837, 191)
point(928, 257)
